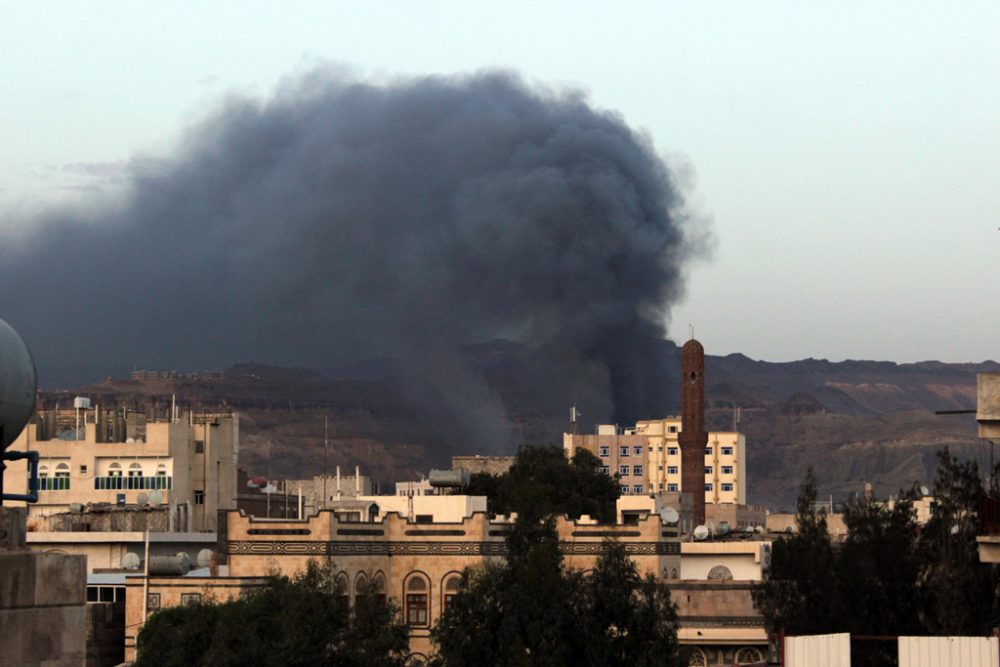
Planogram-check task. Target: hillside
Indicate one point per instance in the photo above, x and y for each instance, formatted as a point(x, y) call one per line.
point(854, 421)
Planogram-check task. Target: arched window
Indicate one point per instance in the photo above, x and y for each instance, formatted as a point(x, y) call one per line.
point(43, 472)
point(697, 658)
point(417, 596)
point(114, 470)
point(748, 655)
point(135, 470)
point(720, 573)
point(343, 586)
point(61, 482)
point(378, 586)
point(161, 470)
point(452, 583)
point(361, 586)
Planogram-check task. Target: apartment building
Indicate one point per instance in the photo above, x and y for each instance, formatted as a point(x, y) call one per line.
point(647, 459)
point(90, 457)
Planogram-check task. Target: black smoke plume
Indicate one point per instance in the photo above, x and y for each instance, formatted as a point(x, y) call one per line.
point(341, 220)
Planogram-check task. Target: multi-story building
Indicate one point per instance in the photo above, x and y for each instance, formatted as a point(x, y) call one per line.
point(417, 562)
point(647, 459)
point(94, 457)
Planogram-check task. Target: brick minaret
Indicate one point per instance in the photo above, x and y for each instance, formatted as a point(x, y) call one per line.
point(693, 437)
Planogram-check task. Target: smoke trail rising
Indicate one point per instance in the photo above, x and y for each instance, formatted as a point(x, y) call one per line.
point(340, 220)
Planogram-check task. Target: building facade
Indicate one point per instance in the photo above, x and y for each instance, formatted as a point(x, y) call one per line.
point(416, 564)
point(648, 459)
point(104, 457)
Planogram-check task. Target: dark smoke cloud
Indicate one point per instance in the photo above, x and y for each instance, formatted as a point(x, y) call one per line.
point(341, 220)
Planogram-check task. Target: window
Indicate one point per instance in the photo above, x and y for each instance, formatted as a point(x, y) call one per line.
point(416, 601)
point(637, 471)
point(199, 497)
point(660, 468)
point(637, 450)
point(671, 470)
point(672, 487)
point(671, 451)
point(672, 429)
point(190, 599)
point(605, 450)
point(708, 470)
point(727, 451)
point(114, 470)
point(153, 601)
point(135, 470)
point(606, 470)
point(378, 587)
point(727, 470)
point(623, 451)
point(661, 448)
point(661, 486)
point(727, 487)
point(708, 450)
point(199, 446)
point(451, 589)
point(637, 489)
point(624, 489)
point(708, 487)
point(650, 450)
point(623, 470)
point(83, 470)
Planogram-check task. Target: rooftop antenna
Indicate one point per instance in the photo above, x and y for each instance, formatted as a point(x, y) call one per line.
point(691, 331)
point(574, 414)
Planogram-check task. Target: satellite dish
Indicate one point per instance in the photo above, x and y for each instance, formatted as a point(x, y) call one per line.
point(925, 491)
point(669, 515)
point(130, 561)
point(156, 498)
point(723, 528)
point(205, 558)
point(701, 533)
point(142, 499)
point(18, 385)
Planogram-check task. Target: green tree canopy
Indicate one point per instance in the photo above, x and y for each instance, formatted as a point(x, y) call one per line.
point(302, 620)
point(543, 482)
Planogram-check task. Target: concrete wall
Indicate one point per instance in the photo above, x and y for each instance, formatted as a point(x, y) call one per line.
point(42, 606)
point(745, 561)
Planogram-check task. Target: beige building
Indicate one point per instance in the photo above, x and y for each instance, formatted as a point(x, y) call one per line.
point(647, 459)
point(416, 564)
point(90, 456)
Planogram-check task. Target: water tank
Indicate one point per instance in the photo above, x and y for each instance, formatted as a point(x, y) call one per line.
point(449, 478)
point(18, 384)
point(701, 533)
point(81, 402)
point(170, 565)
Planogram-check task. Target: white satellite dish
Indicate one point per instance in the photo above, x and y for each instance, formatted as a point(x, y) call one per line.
point(156, 498)
point(142, 499)
point(18, 384)
point(205, 558)
point(701, 533)
point(130, 561)
point(925, 491)
point(669, 515)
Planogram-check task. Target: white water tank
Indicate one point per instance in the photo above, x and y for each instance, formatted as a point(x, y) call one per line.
point(18, 384)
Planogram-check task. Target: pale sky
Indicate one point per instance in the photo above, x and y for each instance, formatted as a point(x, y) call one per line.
point(847, 158)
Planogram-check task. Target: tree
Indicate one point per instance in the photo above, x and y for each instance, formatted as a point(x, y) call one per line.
point(526, 611)
point(800, 591)
point(958, 593)
point(544, 481)
point(303, 620)
point(632, 621)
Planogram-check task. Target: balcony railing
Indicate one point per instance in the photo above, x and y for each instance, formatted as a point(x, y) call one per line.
point(133, 483)
point(53, 484)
